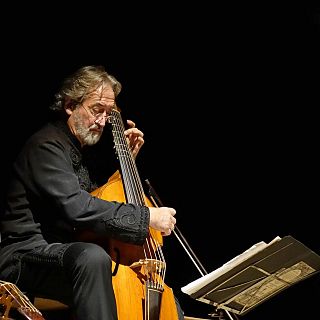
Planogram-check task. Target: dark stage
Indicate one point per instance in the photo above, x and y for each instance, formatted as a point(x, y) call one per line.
point(228, 104)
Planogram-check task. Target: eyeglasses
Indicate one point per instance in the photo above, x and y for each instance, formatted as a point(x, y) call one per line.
point(97, 113)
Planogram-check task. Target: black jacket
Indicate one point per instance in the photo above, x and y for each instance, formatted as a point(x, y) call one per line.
point(49, 198)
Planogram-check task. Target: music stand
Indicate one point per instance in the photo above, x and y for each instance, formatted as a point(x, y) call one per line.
point(256, 275)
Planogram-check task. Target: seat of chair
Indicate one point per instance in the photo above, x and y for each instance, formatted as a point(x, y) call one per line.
point(48, 304)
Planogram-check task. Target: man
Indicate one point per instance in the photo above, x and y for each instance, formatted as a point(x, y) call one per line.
point(49, 199)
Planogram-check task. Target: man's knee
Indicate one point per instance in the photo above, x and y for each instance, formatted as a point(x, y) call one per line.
point(89, 256)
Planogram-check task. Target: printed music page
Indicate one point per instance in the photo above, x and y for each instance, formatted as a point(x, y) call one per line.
point(203, 281)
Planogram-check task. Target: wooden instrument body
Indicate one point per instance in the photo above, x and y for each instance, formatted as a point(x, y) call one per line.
point(129, 283)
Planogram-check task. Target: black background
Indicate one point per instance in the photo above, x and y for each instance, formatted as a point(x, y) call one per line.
point(227, 97)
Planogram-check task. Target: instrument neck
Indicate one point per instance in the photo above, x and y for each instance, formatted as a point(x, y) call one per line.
point(130, 176)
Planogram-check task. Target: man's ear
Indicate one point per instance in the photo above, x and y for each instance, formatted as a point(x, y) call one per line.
point(68, 107)
point(68, 111)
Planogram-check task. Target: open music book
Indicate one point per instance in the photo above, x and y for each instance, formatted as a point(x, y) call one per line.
point(255, 275)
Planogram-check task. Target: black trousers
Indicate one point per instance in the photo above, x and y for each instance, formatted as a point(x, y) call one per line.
point(78, 274)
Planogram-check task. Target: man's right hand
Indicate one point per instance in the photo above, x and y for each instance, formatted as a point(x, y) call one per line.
point(162, 219)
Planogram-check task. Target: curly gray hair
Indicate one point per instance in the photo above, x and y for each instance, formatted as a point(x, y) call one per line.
point(80, 84)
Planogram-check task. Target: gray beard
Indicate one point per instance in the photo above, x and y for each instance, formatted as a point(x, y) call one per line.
point(86, 136)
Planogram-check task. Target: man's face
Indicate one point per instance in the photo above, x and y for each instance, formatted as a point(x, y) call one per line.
point(89, 118)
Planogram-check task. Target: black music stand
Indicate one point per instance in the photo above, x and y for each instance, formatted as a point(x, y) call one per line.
point(255, 275)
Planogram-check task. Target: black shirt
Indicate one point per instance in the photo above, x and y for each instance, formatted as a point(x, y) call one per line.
point(49, 198)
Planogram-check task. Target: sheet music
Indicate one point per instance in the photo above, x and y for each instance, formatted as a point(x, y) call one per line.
point(201, 282)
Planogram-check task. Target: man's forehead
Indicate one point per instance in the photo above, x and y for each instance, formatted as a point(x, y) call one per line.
point(102, 93)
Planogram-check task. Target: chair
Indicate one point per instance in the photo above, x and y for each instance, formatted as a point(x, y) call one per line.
point(52, 309)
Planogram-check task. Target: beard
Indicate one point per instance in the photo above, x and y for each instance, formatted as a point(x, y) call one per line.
point(87, 136)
